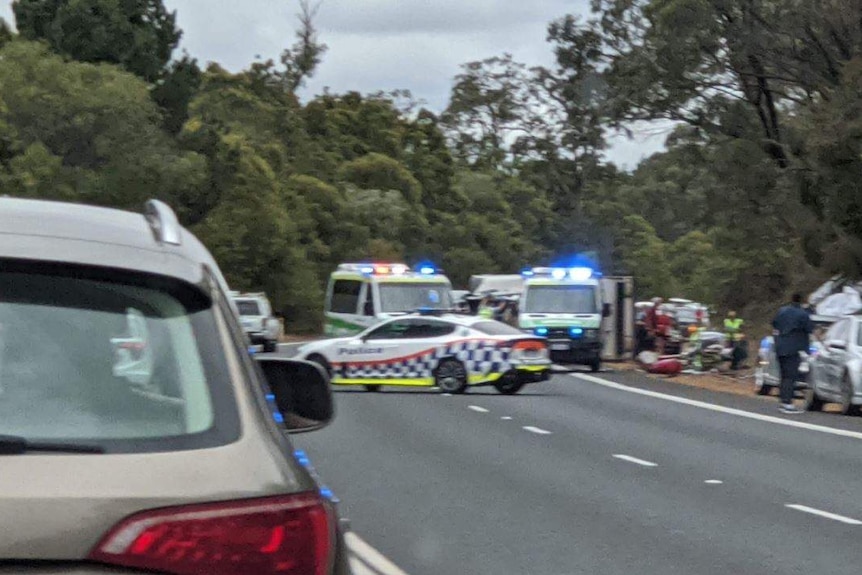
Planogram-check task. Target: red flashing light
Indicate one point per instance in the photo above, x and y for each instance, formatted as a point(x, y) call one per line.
point(285, 535)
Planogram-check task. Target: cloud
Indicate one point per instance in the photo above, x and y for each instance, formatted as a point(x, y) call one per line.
point(382, 44)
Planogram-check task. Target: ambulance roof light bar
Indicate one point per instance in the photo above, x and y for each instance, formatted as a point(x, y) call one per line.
point(580, 273)
point(384, 268)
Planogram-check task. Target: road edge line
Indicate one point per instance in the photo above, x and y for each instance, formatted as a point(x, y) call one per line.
point(371, 556)
point(718, 408)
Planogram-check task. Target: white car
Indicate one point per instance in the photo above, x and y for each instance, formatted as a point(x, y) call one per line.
point(448, 351)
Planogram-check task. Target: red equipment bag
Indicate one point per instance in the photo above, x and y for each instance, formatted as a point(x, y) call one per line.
point(670, 366)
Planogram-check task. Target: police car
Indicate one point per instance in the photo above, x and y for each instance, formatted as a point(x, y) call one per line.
point(449, 351)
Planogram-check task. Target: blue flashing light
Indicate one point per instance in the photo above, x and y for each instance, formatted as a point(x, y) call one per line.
point(368, 270)
point(541, 331)
point(812, 350)
point(528, 273)
point(279, 418)
point(427, 270)
point(576, 331)
point(251, 350)
point(326, 492)
point(270, 397)
point(302, 457)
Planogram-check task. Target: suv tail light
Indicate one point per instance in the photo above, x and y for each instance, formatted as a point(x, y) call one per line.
point(285, 535)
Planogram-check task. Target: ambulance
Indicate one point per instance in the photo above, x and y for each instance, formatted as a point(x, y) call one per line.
point(360, 295)
point(566, 306)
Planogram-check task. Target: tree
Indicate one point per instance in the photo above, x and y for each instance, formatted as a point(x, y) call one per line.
point(139, 35)
point(175, 90)
point(98, 122)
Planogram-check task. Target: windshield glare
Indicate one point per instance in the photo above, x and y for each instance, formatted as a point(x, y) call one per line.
point(560, 299)
point(412, 296)
point(105, 362)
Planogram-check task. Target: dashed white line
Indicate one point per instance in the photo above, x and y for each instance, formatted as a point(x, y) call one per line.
point(447, 395)
point(358, 567)
point(371, 556)
point(631, 459)
point(713, 481)
point(477, 408)
point(506, 418)
point(536, 430)
point(719, 408)
point(826, 514)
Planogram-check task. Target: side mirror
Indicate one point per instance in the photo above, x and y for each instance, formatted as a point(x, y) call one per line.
point(301, 390)
point(606, 310)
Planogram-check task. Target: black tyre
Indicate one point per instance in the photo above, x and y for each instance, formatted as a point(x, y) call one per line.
point(595, 365)
point(846, 403)
point(321, 361)
point(269, 346)
point(451, 376)
point(509, 385)
point(810, 401)
point(374, 388)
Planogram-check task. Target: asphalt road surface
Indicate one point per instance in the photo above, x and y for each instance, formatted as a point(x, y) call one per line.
point(582, 474)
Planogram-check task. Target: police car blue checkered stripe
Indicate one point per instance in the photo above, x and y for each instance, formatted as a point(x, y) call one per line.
point(478, 356)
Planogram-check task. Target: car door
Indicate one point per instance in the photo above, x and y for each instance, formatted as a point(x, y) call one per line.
point(369, 356)
point(833, 357)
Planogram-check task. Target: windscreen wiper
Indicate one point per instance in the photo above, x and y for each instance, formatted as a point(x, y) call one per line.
point(14, 445)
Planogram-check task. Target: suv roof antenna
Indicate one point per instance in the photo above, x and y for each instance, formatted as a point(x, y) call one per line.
point(163, 221)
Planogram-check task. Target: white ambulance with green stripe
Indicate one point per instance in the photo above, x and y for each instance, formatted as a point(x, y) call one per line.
point(565, 305)
point(360, 295)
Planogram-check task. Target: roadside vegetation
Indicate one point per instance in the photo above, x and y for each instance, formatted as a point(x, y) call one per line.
point(759, 191)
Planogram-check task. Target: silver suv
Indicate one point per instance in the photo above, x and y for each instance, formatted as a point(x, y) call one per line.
point(137, 433)
point(255, 314)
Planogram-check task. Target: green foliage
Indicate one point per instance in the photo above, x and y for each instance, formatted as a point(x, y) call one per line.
point(139, 35)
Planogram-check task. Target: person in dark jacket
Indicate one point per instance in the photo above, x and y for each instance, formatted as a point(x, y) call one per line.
point(793, 327)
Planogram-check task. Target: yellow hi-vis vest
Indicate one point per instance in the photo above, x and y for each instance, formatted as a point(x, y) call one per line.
point(733, 327)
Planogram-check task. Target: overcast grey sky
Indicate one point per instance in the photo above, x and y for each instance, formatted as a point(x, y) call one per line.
point(383, 44)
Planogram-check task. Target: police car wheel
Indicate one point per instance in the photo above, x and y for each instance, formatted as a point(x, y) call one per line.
point(509, 386)
point(373, 387)
point(451, 377)
point(595, 365)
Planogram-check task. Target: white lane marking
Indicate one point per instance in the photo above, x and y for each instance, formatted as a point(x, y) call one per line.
point(370, 555)
point(719, 408)
point(506, 418)
point(536, 430)
point(477, 408)
point(826, 514)
point(358, 567)
point(447, 395)
point(631, 459)
point(713, 481)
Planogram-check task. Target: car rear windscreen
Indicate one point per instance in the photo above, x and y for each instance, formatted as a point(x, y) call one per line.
point(496, 328)
point(247, 307)
point(127, 367)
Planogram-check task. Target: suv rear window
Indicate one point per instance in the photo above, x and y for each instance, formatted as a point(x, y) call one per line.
point(247, 307)
point(125, 366)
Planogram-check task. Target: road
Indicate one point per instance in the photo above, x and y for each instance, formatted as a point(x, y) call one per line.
point(585, 475)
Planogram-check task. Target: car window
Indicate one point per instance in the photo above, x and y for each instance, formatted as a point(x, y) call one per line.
point(429, 328)
point(400, 297)
point(495, 328)
point(345, 296)
point(392, 330)
point(119, 365)
point(248, 307)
